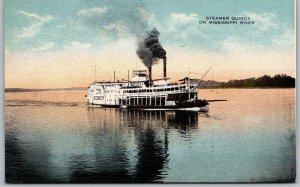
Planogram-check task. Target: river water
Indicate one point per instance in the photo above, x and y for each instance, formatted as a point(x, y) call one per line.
point(54, 137)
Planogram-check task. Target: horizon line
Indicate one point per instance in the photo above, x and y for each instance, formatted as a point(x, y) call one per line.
point(83, 87)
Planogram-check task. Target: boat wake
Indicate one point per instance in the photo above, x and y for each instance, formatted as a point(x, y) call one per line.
point(21, 103)
point(195, 109)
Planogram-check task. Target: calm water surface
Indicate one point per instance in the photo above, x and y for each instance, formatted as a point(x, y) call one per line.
point(54, 137)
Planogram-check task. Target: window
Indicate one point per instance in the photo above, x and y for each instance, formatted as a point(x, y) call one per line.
point(98, 97)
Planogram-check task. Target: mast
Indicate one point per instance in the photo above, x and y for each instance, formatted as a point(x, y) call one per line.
point(128, 77)
point(189, 79)
point(198, 83)
point(212, 78)
point(95, 73)
point(212, 74)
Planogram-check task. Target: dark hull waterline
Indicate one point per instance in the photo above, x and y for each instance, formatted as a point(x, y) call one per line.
point(181, 106)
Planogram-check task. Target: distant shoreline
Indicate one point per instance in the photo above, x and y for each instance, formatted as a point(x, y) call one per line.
point(15, 90)
point(44, 89)
point(278, 81)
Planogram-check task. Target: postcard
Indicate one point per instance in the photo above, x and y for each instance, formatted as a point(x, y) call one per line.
point(150, 91)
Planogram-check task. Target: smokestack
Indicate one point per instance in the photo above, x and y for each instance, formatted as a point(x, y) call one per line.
point(150, 73)
point(150, 50)
point(165, 66)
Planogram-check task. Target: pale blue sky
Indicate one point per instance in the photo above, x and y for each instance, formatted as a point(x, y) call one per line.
point(53, 24)
point(57, 43)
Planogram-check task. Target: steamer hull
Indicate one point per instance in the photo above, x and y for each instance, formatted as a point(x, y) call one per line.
point(200, 106)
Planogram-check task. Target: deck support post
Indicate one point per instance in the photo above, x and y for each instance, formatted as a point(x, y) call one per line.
point(160, 101)
point(166, 100)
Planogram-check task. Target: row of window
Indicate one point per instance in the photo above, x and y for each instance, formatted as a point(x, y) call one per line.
point(155, 90)
point(144, 90)
point(110, 85)
point(112, 91)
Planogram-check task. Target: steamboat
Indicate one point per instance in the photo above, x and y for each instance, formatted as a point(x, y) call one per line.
point(143, 92)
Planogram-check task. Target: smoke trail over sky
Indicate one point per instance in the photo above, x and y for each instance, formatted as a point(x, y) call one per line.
point(123, 19)
point(149, 49)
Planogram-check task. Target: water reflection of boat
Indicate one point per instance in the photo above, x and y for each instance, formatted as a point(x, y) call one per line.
point(124, 151)
point(138, 156)
point(181, 120)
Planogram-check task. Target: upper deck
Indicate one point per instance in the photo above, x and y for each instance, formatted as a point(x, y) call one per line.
point(139, 84)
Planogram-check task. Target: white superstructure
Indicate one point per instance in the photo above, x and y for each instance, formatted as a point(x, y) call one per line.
point(140, 92)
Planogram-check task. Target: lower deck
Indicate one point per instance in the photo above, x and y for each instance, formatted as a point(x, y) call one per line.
point(158, 102)
point(133, 100)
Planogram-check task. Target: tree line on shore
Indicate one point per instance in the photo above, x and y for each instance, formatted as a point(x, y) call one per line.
point(266, 81)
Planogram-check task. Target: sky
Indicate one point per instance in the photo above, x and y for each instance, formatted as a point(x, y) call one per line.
point(58, 43)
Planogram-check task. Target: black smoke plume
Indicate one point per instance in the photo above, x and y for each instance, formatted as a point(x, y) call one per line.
point(149, 49)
